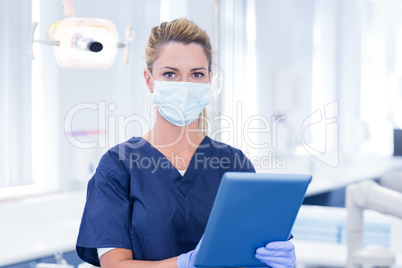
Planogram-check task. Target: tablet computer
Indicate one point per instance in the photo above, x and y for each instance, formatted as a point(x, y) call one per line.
point(250, 210)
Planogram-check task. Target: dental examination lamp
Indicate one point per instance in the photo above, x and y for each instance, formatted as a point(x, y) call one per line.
point(84, 43)
point(369, 195)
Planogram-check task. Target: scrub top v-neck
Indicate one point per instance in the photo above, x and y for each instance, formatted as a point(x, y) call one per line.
point(185, 182)
point(139, 201)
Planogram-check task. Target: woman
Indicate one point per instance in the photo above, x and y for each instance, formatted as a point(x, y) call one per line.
point(150, 198)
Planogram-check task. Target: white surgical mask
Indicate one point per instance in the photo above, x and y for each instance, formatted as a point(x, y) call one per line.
point(181, 103)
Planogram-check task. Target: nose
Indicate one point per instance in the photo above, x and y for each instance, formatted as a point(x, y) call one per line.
point(186, 79)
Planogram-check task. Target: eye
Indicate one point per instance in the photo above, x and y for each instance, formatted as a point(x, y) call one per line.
point(169, 74)
point(198, 75)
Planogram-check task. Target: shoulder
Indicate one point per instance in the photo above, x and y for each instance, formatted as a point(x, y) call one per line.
point(238, 160)
point(116, 158)
point(223, 148)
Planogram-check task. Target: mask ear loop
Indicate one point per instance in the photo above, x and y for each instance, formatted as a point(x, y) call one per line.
point(151, 76)
point(216, 84)
point(152, 105)
point(152, 81)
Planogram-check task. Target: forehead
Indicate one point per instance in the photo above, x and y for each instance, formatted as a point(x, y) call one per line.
point(180, 55)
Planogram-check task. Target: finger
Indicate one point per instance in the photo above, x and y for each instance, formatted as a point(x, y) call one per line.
point(199, 243)
point(274, 253)
point(277, 255)
point(280, 245)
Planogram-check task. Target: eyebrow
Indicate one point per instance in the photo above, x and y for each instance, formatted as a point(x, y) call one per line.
point(192, 70)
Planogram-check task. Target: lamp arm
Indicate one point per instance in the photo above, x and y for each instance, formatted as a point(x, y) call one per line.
point(49, 42)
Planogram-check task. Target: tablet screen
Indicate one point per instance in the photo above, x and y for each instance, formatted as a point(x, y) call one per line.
point(250, 210)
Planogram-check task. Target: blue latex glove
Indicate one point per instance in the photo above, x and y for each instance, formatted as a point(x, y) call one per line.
point(186, 260)
point(278, 254)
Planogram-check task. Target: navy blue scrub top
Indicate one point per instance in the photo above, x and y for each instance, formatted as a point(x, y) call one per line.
point(139, 201)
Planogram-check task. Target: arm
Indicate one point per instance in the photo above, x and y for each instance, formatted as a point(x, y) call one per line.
point(122, 258)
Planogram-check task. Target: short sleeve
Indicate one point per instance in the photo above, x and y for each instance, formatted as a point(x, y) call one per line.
point(106, 218)
point(248, 166)
point(242, 162)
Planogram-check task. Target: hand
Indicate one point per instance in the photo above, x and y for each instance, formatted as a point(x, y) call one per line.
point(186, 260)
point(277, 254)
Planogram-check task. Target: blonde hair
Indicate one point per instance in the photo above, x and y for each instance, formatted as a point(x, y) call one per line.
point(182, 31)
